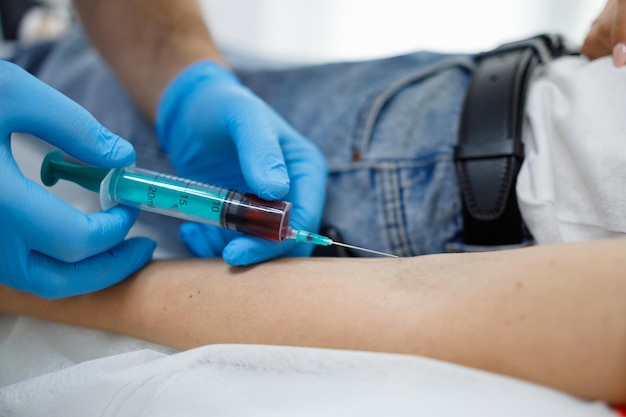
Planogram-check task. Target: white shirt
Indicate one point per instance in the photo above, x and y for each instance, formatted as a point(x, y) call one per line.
point(572, 185)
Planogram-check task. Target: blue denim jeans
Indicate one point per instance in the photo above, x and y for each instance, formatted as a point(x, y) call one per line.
point(387, 127)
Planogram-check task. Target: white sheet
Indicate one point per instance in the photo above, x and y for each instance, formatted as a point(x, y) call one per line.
point(49, 370)
point(91, 373)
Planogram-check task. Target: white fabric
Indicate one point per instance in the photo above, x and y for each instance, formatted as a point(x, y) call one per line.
point(112, 376)
point(572, 184)
point(50, 370)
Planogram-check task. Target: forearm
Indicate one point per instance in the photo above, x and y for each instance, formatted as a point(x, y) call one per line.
point(554, 315)
point(148, 42)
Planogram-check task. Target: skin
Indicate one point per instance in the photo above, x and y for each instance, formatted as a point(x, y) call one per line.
point(606, 31)
point(554, 314)
point(171, 36)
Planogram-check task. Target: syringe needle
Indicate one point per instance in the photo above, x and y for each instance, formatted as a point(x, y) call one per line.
point(345, 245)
point(307, 237)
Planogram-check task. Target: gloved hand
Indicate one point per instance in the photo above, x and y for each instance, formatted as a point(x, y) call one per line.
point(46, 246)
point(216, 130)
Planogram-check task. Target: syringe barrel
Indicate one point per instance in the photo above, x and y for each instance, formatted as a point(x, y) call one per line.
point(195, 201)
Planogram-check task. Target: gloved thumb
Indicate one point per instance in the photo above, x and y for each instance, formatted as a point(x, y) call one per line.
point(261, 155)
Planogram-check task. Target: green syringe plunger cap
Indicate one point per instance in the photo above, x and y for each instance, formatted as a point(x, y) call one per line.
point(54, 167)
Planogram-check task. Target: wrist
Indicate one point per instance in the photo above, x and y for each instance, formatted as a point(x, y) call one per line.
point(152, 42)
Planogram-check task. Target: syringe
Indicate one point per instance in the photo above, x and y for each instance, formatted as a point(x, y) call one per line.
point(186, 199)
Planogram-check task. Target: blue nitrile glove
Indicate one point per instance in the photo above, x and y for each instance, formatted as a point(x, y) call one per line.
point(218, 131)
point(48, 247)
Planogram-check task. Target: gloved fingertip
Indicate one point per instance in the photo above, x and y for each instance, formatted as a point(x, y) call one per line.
point(275, 183)
point(125, 152)
point(249, 251)
point(198, 241)
point(239, 259)
point(120, 150)
point(140, 251)
point(190, 236)
point(148, 252)
point(127, 213)
point(191, 231)
point(146, 245)
point(273, 191)
point(188, 231)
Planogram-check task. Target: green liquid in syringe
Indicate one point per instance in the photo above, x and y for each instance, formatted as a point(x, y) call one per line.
point(173, 196)
point(161, 192)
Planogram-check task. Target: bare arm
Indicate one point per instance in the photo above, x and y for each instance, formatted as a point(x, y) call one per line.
point(555, 315)
point(147, 42)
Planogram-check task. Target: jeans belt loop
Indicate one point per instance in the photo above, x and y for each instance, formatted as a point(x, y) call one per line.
point(490, 151)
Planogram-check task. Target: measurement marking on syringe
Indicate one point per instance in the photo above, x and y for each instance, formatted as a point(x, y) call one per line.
point(184, 196)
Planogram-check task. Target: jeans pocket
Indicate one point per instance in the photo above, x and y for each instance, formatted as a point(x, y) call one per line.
point(404, 174)
point(387, 129)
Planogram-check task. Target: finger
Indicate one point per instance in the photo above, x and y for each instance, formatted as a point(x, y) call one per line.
point(236, 249)
point(245, 250)
point(593, 48)
point(59, 279)
point(260, 154)
point(597, 43)
point(57, 229)
point(42, 111)
point(91, 234)
point(618, 27)
point(205, 241)
point(308, 193)
point(308, 189)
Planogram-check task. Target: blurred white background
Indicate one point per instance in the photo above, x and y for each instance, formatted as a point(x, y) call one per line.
point(326, 30)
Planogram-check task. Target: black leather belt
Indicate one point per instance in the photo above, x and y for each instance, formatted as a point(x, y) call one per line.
point(490, 150)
